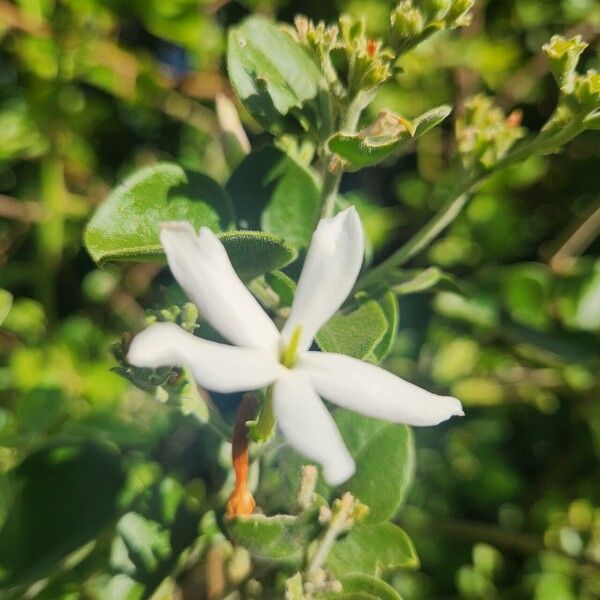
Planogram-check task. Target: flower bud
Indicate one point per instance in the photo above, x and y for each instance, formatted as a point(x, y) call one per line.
point(407, 23)
point(587, 91)
point(189, 316)
point(563, 55)
point(483, 134)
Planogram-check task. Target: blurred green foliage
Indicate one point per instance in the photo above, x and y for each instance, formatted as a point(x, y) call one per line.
point(106, 493)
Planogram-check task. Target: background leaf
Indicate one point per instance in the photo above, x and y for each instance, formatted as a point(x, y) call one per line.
point(5, 304)
point(65, 495)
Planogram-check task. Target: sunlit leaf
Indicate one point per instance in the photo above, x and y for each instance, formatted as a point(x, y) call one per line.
point(271, 73)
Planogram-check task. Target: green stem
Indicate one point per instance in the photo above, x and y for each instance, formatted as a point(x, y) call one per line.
point(463, 191)
point(332, 180)
point(263, 428)
point(421, 239)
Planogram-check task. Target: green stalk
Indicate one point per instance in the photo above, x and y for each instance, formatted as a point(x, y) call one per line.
point(262, 428)
point(332, 180)
point(463, 192)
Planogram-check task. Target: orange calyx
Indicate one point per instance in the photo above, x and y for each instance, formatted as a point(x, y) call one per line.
point(241, 502)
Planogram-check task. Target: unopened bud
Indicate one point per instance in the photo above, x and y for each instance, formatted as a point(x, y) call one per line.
point(189, 316)
point(587, 90)
point(407, 22)
point(308, 482)
point(563, 55)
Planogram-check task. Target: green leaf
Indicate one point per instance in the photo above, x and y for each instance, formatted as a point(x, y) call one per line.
point(5, 304)
point(357, 333)
point(372, 550)
point(126, 225)
point(63, 497)
point(389, 305)
point(253, 253)
point(357, 585)
point(141, 545)
point(415, 282)
point(270, 72)
point(385, 462)
point(281, 538)
point(388, 134)
point(272, 192)
point(283, 286)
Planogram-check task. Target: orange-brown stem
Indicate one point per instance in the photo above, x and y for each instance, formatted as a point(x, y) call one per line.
point(241, 502)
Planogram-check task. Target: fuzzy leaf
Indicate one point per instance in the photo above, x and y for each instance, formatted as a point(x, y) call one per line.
point(385, 462)
point(253, 253)
point(356, 333)
point(272, 192)
point(389, 305)
point(126, 224)
point(358, 586)
point(281, 538)
point(372, 550)
point(270, 72)
point(388, 134)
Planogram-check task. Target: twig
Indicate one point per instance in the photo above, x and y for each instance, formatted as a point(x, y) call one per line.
point(584, 234)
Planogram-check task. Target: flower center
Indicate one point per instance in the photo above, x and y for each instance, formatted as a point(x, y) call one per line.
point(289, 352)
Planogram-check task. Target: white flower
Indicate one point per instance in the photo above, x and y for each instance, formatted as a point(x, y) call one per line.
point(262, 356)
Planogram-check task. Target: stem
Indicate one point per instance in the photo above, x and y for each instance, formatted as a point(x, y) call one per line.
point(342, 518)
point(266, 418)
point(332, 180)
point(324, 549)
point(329, 191)
point(421, 239)
point(459, 198)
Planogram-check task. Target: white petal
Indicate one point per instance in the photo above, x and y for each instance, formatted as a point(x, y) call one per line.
point(332, 264)
point(370, 390)
point(201, 266)
point(309, 428)
point(217, 367)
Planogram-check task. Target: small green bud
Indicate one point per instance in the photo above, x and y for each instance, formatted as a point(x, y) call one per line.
point(351, 29)
point(189, 316)
point(587, 91)
point(483, 134)
point(563, 55)
point(161, 394)
point(407, 23)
